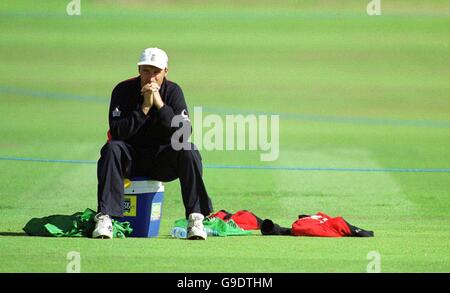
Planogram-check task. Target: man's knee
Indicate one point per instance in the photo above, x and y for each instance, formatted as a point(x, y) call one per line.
point(112, 148)
point(191, 153)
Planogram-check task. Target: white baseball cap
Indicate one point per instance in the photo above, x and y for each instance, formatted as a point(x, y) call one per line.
point(155, 57)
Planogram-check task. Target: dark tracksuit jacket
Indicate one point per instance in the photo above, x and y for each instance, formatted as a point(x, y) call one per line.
point(140, 146)
point(128, 123)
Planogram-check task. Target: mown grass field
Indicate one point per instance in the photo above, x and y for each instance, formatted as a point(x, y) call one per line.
point(364, 102)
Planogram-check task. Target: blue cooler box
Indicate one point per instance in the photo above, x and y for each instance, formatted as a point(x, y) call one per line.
point(143, 205)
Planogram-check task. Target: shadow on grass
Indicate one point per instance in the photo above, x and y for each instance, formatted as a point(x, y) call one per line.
point(13, 234)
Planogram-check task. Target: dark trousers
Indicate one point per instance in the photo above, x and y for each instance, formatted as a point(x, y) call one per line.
point(120, 160)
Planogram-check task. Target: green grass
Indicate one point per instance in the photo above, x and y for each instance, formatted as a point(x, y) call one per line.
point(346, 86)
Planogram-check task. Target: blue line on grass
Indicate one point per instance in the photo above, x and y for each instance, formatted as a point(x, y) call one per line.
point(47, 160)
point(282, 168)
point(52, 95)
point(336, 119)
point(223, 111)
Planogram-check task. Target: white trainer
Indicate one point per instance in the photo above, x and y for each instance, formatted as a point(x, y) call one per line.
point(195, 230)
point(103, 227)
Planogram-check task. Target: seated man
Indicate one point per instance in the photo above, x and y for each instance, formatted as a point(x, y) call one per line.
point(140, 116)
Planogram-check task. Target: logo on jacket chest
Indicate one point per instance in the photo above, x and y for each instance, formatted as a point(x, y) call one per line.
point(116, 112)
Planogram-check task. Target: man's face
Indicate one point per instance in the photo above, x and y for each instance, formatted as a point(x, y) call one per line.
point(149, 72)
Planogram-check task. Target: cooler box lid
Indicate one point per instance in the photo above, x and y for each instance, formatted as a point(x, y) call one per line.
point(143, 186)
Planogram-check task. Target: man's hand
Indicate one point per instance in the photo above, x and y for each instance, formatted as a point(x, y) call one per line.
point(157, 100)
point(148, 99)
point(151, 96)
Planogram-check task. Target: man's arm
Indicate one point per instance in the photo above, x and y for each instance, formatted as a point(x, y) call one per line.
point(124, 122)
point(177, 107)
